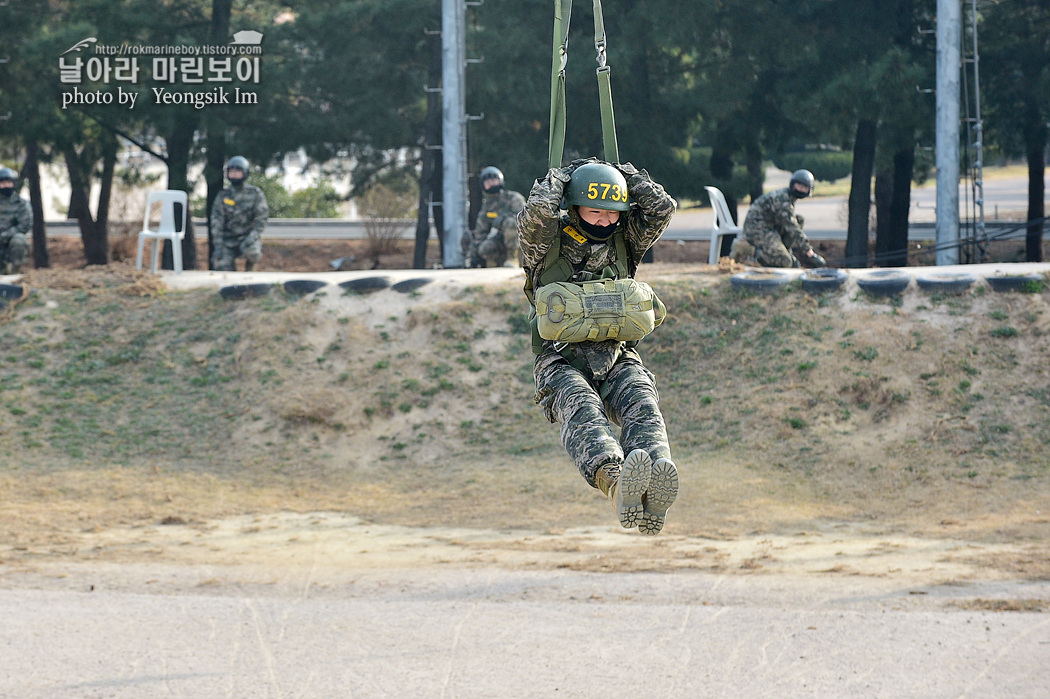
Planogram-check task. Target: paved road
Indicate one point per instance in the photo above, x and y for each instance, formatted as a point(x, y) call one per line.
point(156, 632)
point(825, 217)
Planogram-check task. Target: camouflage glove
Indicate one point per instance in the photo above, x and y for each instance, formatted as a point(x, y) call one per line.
point(817, 261)
point(571, 167)
point(560, 174)
point(627, 169)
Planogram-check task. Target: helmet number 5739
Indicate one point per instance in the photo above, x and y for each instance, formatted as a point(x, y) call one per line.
point(592, 191)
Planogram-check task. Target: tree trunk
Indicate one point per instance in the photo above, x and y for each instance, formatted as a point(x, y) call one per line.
point(722, 171)
point(897, 243)
point(36, 202)
point(883, 202)
point(431, 140)
point(99, 253)
point(79, 204)
point(756, 173)
point(860, 194)
point(1036, 156)
point(179, 143)
point(216, 129)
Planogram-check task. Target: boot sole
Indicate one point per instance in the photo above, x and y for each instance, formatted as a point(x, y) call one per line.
point(661, 494)
point(634, 481)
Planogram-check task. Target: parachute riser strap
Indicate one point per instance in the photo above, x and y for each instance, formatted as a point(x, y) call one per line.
point(562, 15)
point(612, 150)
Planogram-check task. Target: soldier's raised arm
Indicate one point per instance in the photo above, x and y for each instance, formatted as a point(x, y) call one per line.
point(538, 222)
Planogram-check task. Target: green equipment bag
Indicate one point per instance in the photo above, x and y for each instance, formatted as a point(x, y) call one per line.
point(604, 309)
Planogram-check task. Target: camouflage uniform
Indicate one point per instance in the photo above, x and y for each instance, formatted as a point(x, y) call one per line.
point(614, 387)
point(494, 238)
point(772, 227)
point(16, 218)
point(238, 218)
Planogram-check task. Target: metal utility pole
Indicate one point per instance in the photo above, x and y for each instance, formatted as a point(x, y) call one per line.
point(978, 142)
point(949, 64)
point(453, 128)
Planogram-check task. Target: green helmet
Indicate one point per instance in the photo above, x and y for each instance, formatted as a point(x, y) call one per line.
point(490, 172)
point(239, 162)
point(598, 186)
point(7, 173)
point(801, 184)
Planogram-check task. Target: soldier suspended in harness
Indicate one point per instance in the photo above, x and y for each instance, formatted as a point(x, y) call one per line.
point(589, 376)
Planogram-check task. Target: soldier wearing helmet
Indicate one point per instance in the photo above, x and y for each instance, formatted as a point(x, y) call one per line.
point(612, 215)
point(493, 241)
point(773, 229)
point(16, 218)
point(238, 218)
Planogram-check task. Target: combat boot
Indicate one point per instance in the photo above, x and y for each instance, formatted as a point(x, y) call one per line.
point(249, 266)
point(625, 485)
point(660, 495)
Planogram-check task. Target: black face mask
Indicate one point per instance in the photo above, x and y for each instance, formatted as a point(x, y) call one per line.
point(598, 233)
point(495, 189)
point(237, 182)
point(7, 191)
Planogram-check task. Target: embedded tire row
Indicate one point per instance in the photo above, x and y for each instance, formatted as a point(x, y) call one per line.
point(886, 282)
point(302, 287)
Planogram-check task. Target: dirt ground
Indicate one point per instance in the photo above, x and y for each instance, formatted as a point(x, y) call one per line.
point(854, 491)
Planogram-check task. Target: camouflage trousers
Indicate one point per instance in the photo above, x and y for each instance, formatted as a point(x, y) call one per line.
point(228, 249)
point(587, 420)
point(493, 252)
point(14, 249)
point(770, 250)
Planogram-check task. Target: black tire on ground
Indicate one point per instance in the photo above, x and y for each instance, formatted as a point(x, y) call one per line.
point(302, 287)
point(763, 281)
point(409, 285)
point(366, 285)
point(886, 282)
point(816, 281)
point(237, 292)
point(946, 282)
point(1014, 282)
point(10, 291)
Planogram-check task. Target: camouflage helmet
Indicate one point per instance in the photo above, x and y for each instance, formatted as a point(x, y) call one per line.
point(804, 178)
point(239, 162)
point(598, 186)
point(7, 173)
point(489, 172)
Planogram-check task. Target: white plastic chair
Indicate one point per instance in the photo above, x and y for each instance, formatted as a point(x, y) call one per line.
point(167, 229)
point(722, 224)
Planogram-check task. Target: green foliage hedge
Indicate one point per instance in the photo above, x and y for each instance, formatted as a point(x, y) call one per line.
point(826, 166)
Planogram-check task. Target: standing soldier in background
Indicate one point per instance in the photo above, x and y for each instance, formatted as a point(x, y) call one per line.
point(493, 242)
point(773, 229)
point(16, 218)
point(238, 217)
point(614, 214)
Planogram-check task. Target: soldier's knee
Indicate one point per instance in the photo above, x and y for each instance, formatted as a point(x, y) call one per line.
point(492, 251)
point(774, 258)
point(18, 248)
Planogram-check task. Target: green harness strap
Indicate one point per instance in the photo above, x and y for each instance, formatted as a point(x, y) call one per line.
point(562, 15)
point(555, 267)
